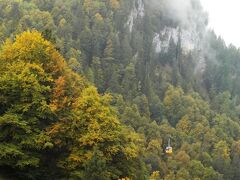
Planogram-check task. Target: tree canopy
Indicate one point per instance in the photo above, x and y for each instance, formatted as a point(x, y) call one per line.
point(94, 89)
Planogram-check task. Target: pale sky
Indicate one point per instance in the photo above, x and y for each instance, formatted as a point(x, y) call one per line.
point(224, 18)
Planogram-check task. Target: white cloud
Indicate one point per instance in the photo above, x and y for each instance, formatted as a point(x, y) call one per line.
point(224, 18)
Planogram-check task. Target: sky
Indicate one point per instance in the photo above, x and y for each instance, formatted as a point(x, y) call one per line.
point(224, 18)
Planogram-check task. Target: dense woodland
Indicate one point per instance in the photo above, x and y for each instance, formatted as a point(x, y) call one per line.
point(84, 95)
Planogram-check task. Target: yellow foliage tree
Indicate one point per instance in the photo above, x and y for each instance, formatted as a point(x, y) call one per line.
point(66, 114)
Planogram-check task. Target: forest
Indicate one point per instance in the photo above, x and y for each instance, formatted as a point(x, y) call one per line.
point(96, 90)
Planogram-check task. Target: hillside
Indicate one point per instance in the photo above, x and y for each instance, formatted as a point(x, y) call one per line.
point(159, 74)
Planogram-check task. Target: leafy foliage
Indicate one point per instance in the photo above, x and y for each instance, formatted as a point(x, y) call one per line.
point(47, 109)
point(54, 124)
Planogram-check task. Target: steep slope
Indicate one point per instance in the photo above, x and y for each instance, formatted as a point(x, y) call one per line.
point(170, 77)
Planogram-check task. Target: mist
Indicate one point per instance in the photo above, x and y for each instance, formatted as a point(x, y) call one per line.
point(175, 9)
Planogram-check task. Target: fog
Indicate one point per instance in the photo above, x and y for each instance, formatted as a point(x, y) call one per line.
point(178, 9)
point(224, 19)
point(175, 9)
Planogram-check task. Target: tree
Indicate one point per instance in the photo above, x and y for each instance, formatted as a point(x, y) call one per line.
point(183, 174)
point(129, 82)
point(52, 121)
point(26, 84)
point(221, 158)
point(98, 74)
point(23, 113)
point(173, 103)
point(235, 156)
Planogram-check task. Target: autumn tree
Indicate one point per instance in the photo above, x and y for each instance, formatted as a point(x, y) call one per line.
point(52, 120)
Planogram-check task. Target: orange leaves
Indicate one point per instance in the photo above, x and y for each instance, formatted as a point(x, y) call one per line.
point(58, 90)
point(75, 158)
point(58, 94)
point(54, 129)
